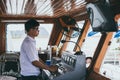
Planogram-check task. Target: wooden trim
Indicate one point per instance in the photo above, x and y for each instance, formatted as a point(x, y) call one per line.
point(47, 19)
point(95, 76)
point(64, 46)
point(59, 38)
point(66, 43)
point(96, 53)
point(102, 52)
point(56, 32)
point(2, 37)
point(83, 34)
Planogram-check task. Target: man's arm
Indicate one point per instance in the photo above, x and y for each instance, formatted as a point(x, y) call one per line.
point(43, 66)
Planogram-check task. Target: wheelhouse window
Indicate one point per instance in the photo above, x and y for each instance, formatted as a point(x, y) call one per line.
point(110, 66)
point(15, 33)
point(91, 38)
point(74, 37)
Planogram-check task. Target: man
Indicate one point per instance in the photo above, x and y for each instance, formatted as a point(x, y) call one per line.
point(88, 61)
point(29, 61)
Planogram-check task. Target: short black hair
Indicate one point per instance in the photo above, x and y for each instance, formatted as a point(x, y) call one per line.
point(89, 58)
point(31, 23)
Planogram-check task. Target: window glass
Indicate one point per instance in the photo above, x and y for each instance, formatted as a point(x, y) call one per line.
point(71, 45)
point(16, 34)
point(111, 64)
point(91, 42)
point(60, 44)
point(44, 35)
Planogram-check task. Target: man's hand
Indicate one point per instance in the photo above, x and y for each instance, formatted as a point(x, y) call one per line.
point(53, 68)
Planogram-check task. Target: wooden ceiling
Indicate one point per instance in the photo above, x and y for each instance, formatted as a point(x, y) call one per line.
point(47, 9)
point(40, 8)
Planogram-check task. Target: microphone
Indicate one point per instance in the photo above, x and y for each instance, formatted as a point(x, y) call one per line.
point(63, 41)
point(78, 52)
point(75, 28)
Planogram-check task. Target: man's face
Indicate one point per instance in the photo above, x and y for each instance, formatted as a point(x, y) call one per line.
point(88, 61)
point(34, 31)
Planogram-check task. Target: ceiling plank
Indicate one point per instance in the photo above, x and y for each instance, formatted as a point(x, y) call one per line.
point(29, 4)
point(54, 5)
point(26, 17)
point(58, 9)
point(3, 6)
point(23, 4)
point(34, 7)
point(11, 6)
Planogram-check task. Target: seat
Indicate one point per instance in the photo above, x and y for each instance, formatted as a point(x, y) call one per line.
point(10, 66)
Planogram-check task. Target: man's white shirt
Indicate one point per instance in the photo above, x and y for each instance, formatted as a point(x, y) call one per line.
point(28, 54)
